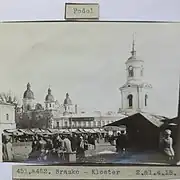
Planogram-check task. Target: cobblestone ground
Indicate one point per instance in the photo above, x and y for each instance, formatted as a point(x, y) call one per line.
point(106, 153)
point(100, 148)
point(102, 153)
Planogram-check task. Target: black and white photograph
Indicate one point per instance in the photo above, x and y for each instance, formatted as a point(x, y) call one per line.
point(90, 92)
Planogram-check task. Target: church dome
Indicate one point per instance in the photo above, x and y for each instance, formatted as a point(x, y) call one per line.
point(28, 94)
point(67, 100)
point(49, 97)
point(134, 58)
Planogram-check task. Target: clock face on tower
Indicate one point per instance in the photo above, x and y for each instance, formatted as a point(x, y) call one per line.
point(130, 68)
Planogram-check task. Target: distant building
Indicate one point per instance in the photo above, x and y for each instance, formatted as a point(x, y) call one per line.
point(7, 116)
point(28, 99)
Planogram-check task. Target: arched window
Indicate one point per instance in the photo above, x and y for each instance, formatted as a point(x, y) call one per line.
point(66, 124)
point(146, 98)
point(28, 107)
point(57, 124)
point(142, 72)
point(131, 71)
point(49, 105)
point(7, 116)
point(130, 99)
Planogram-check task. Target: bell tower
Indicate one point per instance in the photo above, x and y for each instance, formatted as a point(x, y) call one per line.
point(28, 99)
point(135, 92)
point(49, 100)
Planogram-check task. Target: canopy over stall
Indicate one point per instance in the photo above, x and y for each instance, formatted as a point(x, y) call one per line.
point(115, 128)
point(13, 132)
point(26, 131)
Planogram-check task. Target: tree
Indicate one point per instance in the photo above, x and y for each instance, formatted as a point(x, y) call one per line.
point(41, 119)
point(9, 98)
point(39, 106)
point(35, 119)
point(24, 120)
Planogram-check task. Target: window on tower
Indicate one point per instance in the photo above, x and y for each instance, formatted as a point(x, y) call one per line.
point(28, 107)
point(7, 116)
point(66, 124)
point(146, 98)
point(130, 99)
point(57, 124)
point(131, 71)
point(141, 72)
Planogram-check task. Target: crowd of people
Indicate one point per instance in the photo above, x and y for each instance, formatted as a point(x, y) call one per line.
point(57, 147)
point(120, 140)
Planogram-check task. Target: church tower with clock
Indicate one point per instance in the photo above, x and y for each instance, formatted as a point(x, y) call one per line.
point(135, 92)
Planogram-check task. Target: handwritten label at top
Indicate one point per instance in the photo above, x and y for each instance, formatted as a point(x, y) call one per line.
point(81, 11)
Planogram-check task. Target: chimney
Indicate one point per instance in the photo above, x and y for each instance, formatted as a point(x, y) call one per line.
point(76, 110)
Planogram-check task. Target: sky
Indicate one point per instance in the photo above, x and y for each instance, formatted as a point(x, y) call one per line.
point(87, 60)
point(109, 10)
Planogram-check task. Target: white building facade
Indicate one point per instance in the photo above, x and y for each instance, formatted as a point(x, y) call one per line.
point(135, 92)
point(7, 116)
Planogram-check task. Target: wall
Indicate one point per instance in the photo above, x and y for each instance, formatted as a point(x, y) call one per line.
point(4, 122)
point(137, 66)
point(98, 121)
point(125, 93)
point(30, 102)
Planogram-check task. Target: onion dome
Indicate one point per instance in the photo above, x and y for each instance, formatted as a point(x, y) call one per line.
point(28, 94)
point(49, 97)
point(67, 100)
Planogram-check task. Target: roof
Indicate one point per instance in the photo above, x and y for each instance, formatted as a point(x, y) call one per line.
point(156, 120)
point(49, 98)
point(28, 94)
point(67, 101)
point(5, 103)
point(174, 120)
point(140, 84)
point(134, 58)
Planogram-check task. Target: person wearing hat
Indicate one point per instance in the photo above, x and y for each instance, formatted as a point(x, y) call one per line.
point(81, 149)
point(168, 144)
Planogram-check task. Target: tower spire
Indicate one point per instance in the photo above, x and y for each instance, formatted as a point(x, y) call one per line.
point(49, 90)
point(133, 52)
point(28, 86)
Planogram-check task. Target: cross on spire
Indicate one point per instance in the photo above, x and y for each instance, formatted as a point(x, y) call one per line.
point(133, 52)
point(49, 90)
